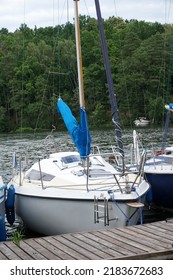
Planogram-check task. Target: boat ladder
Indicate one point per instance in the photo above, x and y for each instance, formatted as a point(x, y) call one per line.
point(101, 211)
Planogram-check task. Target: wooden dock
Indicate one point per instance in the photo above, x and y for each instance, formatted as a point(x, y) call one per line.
point(147, 241)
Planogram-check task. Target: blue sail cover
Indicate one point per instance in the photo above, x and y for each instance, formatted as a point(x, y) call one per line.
point(79, 132)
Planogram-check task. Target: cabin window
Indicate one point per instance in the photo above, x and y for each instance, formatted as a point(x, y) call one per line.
point(35, 175)
point(70, 159)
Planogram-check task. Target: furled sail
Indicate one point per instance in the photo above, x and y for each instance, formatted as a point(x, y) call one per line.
point(79, 132)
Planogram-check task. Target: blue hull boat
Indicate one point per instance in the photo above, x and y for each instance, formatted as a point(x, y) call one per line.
point(159, 173)
point(161, 192)
point(159, 170)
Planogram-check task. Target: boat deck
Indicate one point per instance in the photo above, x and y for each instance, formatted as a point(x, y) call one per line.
point(147, 241)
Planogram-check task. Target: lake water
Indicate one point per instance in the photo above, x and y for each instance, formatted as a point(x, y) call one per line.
point(36, 146)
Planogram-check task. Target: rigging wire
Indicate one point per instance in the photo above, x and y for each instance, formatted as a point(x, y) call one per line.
point(54, 63)
point(165, 74)
point(167, 10)
point(123, 70)
point(49, 72)
point(168, 52)
point(23, 61)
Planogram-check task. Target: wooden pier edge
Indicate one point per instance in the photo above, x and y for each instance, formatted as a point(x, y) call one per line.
point(160, 255)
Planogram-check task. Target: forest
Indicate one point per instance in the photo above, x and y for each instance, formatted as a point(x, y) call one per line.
point(39, 65)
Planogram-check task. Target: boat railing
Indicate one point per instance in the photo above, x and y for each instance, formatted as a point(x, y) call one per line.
point(162, 161)
point(121, 176)
point(95, 149)
point(137, 171)
point(140, 173)
point(128, 182)
point(110, 186)
point(113, 156)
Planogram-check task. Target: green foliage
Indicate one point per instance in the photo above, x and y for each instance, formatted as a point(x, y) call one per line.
point(38, 66)
point(3, 119)
point(17, 236)
point(24, 129)
point(156, 109)
point(98, 115)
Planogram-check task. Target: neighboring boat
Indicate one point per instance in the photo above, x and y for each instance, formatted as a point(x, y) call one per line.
point(79, 191)
point(142, 121)
point(159, 171)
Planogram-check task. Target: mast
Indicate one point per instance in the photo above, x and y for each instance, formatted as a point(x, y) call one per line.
point(80, 133)
point(112, 96)
point(79, 56)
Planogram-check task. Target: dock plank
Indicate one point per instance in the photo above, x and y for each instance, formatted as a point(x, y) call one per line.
point(125, 238)
point(54, 247)
point(16, 248)
point(3, 257)
point(104, 244)
point(60, 241)
point(141, 240)
point(5, 250)
point(165, 227)
point(145, 238)
point(161, 234)
point(114, 239)
point(25, 246)
point(158, 234)
point(98, 247)
point(158, 255)
point(34, 243)
point(93, 248)
point(147, 241)
point(162, 227)
point(151, 234)
point(67, 240)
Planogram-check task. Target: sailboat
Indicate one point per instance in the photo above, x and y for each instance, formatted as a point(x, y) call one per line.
point(159, 171)
point(141, 122)
point(76, 191)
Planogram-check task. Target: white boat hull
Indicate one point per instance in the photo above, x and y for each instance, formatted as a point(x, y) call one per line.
point(141, 122)
point(56, 216)
point(52, 212)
